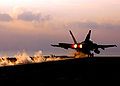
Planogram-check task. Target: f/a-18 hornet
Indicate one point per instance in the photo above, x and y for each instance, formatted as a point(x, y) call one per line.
point(85, 47)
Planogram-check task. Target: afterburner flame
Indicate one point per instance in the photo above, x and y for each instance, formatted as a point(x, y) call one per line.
point(24, 58)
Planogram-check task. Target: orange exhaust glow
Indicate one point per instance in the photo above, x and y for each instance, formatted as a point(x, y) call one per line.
point(80, 46)
point(74, 46)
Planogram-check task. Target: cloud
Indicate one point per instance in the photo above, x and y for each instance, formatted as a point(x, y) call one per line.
point(5, 17)
point(30, 16)
point(93, 25)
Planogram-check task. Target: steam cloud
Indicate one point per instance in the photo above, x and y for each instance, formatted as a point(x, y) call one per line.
point(23, 58)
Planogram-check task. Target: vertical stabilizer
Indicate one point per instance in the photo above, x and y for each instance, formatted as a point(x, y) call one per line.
point(73, 37)
point(88, 36)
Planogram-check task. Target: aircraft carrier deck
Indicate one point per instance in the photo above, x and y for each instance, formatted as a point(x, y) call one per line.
point(79, 71)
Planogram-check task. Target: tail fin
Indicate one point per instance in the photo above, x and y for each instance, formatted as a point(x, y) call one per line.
point(73, 37)
point(88, 36)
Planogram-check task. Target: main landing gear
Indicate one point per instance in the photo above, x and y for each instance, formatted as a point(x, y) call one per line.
point(91, 55)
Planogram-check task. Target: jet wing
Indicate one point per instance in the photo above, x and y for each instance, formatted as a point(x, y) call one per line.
point(106, 46)
point(63, 45)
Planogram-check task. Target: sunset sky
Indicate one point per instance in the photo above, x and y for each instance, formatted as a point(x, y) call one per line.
point(33, 25)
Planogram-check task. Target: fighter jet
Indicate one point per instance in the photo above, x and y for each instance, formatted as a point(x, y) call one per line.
point(86, 46)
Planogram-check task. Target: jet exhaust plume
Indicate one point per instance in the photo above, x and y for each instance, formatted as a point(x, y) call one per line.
point(79, 55)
